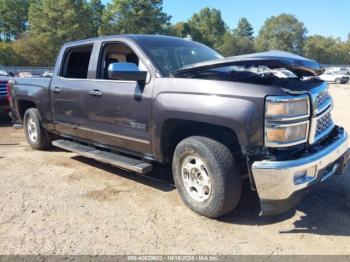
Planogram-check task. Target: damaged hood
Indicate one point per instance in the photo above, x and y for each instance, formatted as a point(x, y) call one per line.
point(299, 65)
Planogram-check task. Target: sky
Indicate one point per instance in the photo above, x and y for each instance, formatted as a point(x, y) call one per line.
point(324, 17)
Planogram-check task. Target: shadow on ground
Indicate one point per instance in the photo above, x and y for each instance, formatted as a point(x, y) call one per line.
point(5, 120)
point(325, 211)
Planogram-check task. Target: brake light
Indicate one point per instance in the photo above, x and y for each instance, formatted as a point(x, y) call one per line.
point(9, 95)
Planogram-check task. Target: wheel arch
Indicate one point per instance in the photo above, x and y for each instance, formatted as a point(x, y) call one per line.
point(175, 130)
point(23, 105)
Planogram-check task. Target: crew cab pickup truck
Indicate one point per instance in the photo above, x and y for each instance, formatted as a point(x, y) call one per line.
point(134, 100)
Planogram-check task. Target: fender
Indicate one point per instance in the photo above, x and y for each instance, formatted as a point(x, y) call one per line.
point(212, 102)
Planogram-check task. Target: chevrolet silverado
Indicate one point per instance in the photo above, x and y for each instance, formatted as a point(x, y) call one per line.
point(133, 100)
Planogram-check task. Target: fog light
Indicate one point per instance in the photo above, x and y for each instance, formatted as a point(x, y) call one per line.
point(299, 177)
point(304, 176)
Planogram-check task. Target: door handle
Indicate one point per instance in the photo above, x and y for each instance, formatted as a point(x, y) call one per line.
point(56, 90)
point(95, 93)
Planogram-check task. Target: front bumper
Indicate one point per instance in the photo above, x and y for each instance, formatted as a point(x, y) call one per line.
point(282, 184)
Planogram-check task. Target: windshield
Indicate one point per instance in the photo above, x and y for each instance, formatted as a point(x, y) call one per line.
point(173, 53)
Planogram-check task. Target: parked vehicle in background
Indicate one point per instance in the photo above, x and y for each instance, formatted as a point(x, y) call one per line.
point(334, 77)
point(47, 74)
point(4, 103)
point(344, 71)
point(339, 70)
point(25, 74)
point(3, 71)
point(134, 100)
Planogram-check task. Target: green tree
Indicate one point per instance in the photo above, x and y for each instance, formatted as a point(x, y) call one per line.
point(96, 9)
point(208, 27)
point(52, 23)
point(134, 16)
point(8, 56)
point(13, 18)
point(32, 52)
point(244, 29)
point(320, 48)
point(233, 45)
point(181, 29)
point(327, 50)
point(283, 32)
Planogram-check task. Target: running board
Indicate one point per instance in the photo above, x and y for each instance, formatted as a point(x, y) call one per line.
point(114, 159)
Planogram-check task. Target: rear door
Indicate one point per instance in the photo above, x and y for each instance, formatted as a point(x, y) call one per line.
point(120, 111)
point(68, 92)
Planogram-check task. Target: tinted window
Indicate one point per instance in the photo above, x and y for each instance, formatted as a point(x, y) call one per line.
point(115, 53)
point(76, 62)
point(171, 54)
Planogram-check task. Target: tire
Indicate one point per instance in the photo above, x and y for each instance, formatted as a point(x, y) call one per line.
point(224, 178)
point(36, 135)
point(338, 81)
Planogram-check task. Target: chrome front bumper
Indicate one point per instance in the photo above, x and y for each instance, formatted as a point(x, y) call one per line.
point(278, 182)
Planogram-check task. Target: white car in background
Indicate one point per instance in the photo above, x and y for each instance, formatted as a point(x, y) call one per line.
point(25, 74)
point(334, 77)
point(47, 74)
point(3, 71)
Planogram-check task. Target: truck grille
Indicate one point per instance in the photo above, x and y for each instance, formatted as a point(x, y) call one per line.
point(3, 90)
point(322, 99)
point(323, 124)
point(321, 121)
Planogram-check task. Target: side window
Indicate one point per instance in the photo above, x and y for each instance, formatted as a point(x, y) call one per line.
point(116, 53)
point(76, 62)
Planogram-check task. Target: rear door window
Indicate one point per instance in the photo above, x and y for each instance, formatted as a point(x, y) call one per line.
point(76, 62)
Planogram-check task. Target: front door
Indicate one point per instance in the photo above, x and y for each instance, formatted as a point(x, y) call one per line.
point(120, 111)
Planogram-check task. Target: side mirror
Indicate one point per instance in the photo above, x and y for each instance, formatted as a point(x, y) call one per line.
point(126, 71)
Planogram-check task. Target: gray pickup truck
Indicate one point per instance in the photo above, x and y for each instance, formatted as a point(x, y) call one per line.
point(134, 100)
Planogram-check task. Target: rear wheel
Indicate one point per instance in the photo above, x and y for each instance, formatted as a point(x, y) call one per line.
point(36, 135)
point(206, 176)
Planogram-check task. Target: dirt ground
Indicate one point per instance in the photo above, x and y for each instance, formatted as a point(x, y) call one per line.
point(58, 203)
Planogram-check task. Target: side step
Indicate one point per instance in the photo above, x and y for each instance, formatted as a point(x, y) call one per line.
point(114, 159)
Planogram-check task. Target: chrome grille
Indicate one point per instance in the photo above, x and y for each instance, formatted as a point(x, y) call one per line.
point(322, 99)
point(3, 91)
point(321, 121)
point(323, 124)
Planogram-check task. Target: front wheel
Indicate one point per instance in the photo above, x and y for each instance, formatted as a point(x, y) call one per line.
point(338, 81)
point(36, 135)
point(206, 176)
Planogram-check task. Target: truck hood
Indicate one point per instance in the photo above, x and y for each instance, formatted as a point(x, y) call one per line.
point(300, 66)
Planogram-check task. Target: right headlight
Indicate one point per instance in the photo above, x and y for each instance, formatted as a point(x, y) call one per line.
point(287, 107)
point(287, 134)
point(286, 120)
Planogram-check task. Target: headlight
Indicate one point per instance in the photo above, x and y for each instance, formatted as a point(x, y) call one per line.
point(287, 134)
point(280, 108)
point(286, 120)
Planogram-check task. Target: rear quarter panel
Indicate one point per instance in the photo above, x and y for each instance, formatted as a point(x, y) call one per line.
point(35, 90)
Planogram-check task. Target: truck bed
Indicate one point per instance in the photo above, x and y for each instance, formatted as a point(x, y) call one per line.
point(31, 81)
